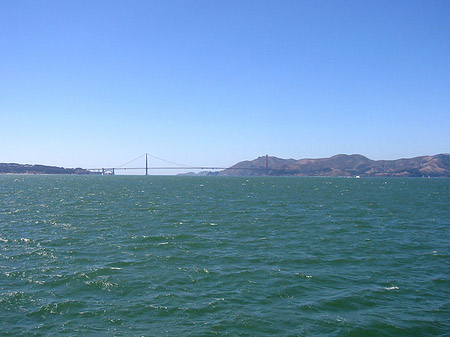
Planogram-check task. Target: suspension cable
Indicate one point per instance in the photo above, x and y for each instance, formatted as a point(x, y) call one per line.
point(150, 155)
point(132, 160)
point(168, 161)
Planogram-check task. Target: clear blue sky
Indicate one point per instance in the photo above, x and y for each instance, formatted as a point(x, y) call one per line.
point(98, 83)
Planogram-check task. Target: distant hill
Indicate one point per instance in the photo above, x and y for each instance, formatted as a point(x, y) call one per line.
point(13, 168)
point(343, 165)
point(340, 165)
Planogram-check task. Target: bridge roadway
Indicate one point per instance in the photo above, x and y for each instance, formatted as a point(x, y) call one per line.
point(111, 170)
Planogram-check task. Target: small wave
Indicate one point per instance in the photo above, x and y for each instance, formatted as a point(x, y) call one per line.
point(150, 238)
point(303, 275)
point(57, 308)
point(391, 288)
point(103, 284)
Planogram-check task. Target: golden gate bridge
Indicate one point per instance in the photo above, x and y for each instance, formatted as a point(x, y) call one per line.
point(113, 170)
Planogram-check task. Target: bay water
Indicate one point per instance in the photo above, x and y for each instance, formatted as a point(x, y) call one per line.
point(224, 256)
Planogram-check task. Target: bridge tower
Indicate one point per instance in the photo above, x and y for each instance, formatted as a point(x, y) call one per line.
point(267, 164)
point(146, 165)
point(108, 171)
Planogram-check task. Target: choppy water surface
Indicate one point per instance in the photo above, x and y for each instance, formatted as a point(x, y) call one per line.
point(205, 256)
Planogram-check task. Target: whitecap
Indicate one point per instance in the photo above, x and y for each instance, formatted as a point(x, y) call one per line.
point(391, 288)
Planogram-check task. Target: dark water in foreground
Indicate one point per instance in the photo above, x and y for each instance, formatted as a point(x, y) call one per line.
point(206, 256)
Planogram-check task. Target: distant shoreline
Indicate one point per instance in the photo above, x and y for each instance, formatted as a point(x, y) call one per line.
point(27, 169)
point(341, 165)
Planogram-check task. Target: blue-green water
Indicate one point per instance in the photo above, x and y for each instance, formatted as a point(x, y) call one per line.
point(217, 256)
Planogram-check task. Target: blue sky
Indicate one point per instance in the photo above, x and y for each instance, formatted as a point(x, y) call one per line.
point(98, 83)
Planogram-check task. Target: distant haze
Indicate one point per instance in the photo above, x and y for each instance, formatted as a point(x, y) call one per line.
point(337, 166)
